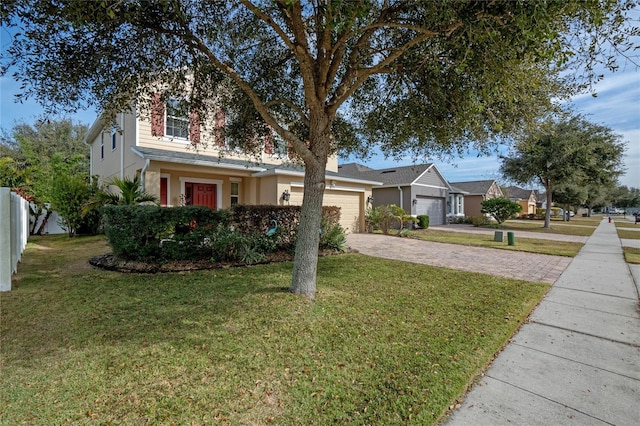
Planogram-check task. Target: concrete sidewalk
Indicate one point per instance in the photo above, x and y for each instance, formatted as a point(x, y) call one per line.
point(577, 362)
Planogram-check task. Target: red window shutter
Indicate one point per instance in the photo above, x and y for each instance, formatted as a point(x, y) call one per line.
point(219, 132)
point(194, 127)
point(268, 143)
point(157, 115)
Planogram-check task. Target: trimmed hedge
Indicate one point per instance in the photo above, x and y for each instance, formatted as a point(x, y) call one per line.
point(423, 221)
point(142, 232)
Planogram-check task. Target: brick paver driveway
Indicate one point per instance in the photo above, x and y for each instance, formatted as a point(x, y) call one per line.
point(502, 263)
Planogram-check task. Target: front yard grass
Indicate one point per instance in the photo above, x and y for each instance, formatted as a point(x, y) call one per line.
point(631, 254)
point(584, 229)
point(386, 342)
point(628, 234)
point(556, 248)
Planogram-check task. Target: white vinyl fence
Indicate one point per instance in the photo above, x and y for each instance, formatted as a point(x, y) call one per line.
point(14, 231)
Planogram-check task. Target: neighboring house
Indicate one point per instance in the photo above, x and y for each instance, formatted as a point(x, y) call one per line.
point(475, 192)
point(419, 190)
point(525, 197)
point(159, 146)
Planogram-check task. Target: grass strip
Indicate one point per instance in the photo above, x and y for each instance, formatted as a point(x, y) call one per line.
point(631, 255)
point(628, 234)
point(386, 342)
point(530, 245)
point(562, 228)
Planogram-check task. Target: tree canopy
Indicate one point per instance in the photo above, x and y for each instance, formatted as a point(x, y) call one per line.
point(565, 152)
point(422, 76)
point(32, 157)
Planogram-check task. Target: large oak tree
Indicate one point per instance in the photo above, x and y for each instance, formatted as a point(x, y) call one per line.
point(428, 77)
point(565, 151)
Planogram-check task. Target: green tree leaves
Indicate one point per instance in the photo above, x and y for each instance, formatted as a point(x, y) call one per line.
point(564, 152)
point(500, 209)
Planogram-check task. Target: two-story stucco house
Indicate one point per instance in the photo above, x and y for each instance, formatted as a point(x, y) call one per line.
point(159, 146)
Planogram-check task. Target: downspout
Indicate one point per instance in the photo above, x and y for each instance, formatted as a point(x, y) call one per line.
point(142, 174)
point(401, 197)
point(121, 145)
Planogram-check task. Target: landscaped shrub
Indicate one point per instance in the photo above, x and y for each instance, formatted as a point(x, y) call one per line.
point(480, 221)
point(332, 236)
point(244, 234)
point(423, 221)
point(500, 209)
point(140, 232)
point(380, 218)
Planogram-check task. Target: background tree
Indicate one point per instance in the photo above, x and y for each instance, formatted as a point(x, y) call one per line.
point(569, 195)
point(500, 209)
point(626, 197)
point(562, 152)
point(34, 153)
point(420, 76)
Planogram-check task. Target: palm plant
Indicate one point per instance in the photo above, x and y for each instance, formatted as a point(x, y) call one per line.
point(130, 193)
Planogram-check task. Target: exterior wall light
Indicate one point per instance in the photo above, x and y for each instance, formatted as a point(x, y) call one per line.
point(286, 195)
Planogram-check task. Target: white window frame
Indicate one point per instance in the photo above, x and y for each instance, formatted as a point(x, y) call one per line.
point(114, 136)
point(101, 146)
point(234, 181)
point(174, 118)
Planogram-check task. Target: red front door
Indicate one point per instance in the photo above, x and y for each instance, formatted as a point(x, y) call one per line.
point(200, 194)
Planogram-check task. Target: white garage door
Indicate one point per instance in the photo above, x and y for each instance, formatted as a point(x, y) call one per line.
point(432, 207)
point(348, 201)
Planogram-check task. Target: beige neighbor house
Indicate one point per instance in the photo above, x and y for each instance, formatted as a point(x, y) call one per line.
point(525, 197)
point(475, 192)
point(159, 146)
point(419, 190)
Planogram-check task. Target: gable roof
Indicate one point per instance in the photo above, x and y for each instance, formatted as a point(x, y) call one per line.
point(513, 192)
point(353, 168)
point(392, 176)
point(476, 187)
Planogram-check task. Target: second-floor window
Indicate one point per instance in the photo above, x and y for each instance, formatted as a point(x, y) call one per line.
point(114, 137)
point(173, 119)
point(177, 121)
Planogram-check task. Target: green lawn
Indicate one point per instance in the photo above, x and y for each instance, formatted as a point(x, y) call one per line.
point(386, 342)
point(556, 248)
point(581, 228)
point(628, 234)
point(631, 255)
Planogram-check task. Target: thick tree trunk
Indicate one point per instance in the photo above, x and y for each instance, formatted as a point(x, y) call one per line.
point(306, 255)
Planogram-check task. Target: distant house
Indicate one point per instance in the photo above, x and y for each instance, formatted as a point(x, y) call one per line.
point(525, 197)
point(419, 189)
point(475, 192)
point(158, 146)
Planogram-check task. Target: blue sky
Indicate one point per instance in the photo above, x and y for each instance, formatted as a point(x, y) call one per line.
point(616, 106)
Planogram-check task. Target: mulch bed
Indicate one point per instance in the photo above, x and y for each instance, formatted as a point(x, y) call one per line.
point(112, 262)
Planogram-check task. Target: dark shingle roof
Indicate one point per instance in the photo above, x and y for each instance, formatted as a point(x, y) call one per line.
point(391, 176)
point(513, 192)
point(474, 187)
point(351, 169)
